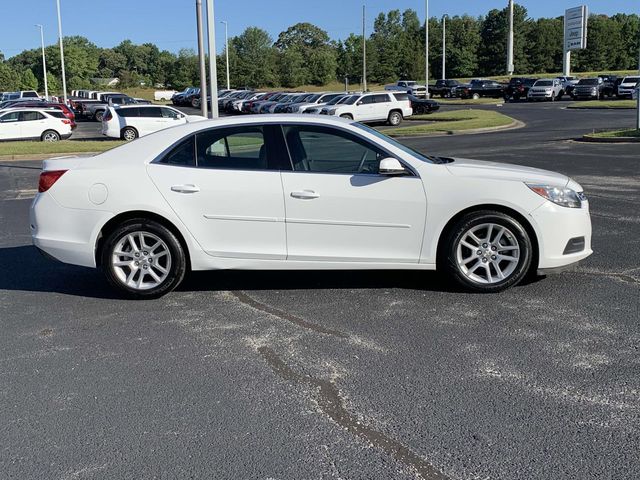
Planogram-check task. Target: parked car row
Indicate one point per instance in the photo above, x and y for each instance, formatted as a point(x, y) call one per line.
point(531, 89)
point(390, 106)
point(92, 105)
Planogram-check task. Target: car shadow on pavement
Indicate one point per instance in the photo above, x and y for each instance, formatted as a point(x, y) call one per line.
point(26, 269)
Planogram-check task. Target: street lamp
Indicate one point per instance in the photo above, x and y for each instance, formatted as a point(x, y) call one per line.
point(510, 41)
point(44, 63)
point(426, 47)
point(444, 46)
point(226, 48)
point(64, 77)
point(213, 67)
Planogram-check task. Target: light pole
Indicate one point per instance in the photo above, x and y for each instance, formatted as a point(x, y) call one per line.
point(213, 67)
point(426, 48)
point(226, 49)
point(444, 46)
point(44, 62)
point(64, 76)
point(364, 52)
point(510, 41)
point(201, 61)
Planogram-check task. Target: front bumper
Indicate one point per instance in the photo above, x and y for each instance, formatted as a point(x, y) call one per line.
point(557, 229)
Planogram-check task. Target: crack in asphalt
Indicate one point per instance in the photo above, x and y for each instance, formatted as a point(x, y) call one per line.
point(332, 405)
point(620, 276)
point(247, 300)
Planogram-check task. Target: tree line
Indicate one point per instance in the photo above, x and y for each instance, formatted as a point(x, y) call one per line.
point(305, 54)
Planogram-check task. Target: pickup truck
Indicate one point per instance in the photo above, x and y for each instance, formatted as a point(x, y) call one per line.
point(481, 88)
point(443, 87)
point(95, 109)
point(518, 88)
point(408, 86)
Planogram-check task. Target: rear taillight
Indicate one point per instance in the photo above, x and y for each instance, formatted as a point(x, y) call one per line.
point(107, 116)
point(48, 178)
point(66, 121)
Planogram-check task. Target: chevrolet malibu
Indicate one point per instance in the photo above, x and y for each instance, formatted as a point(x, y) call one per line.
point(301, 193)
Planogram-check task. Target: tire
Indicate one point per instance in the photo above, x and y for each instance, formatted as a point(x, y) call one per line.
point(195, 103)
point(461, 262)
point(395, 118)
point(348, 116)
point(129, 134)
point(98, 116)
point(475, 96)
point(146, 271)
point(50, 136)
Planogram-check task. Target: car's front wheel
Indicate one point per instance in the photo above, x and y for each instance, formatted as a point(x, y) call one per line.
point(143, 259)
point(487, 251)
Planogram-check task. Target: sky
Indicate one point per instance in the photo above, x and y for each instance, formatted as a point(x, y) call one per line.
point(171, 24)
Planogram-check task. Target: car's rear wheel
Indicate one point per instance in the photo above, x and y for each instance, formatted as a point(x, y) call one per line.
point(50, 136)
point(487, 251)
point(99, 115)
point(475, 96)
point(129, 134)
point(348, 116)
point(143, 259)
point(195, 103)
point(394, 119)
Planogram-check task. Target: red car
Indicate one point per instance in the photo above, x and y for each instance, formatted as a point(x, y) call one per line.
point(58, 106)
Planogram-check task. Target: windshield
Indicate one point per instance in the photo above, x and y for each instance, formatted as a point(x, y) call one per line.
point(414, 153)
point(544, 83)
point(351, 100)
point(312, 98)
point(337, 99)
point(588, 81)
point(631, 80)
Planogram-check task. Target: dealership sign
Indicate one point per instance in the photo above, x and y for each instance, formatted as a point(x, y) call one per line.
point(575, 28)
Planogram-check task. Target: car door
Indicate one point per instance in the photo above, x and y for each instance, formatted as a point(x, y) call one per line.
point(381, 106)
point(150, 120)
point(32, 124)
point(224, 184)
point(10, 126)
point(364, 109)
point(171, 117)
point(339, 209)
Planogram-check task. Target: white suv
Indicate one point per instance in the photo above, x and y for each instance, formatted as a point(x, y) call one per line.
point(374, 107)
point(34, 124)
point(131, 122)
point(627, 86)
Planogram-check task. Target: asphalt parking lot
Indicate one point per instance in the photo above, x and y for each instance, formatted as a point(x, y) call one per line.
point(350, 375)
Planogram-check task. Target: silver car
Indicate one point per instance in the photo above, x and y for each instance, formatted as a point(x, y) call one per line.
point(546, 89)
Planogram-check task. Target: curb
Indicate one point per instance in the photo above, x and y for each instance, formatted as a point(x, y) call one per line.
point(589, 139)
point(516, 124)
point(44, 156)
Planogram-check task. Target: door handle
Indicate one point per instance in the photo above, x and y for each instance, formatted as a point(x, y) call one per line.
point(305, 194)
point(189, 188)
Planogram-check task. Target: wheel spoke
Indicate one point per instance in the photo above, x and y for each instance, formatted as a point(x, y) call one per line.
point(488, 270)
point(499, 270)
point(154, 275)
point(132, 274)
point(160, 255)
point(140, 278)
point(122, 263)
point(160, 268)
point(475, 267)
point(468, 245)
point(507, 257)
point(508, 247)
point(499, 236)
point(141, 237)
point(475, 238)
point(123, 254)
point(489, 232)
point(469, 260)
point(132, 242)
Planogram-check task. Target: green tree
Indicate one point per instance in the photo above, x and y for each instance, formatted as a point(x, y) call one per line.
point(603, 42)
point(53, 83)
point(463, 39)
point(544, 45)
point(9, 78)
point(256, 58)
point(313, 45)
point(492, 51)
point(28, 81)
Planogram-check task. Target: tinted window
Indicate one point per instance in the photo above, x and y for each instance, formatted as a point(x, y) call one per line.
point(544, 83)
point(30, 116)
point(401, 96)
point(328, 150)
point(128, 112)
point(588, 81)
point(241, 148)
point(29, 95)
point(367, 99)
point(382, 98)
point(182, 154)
point(56, 113)
point(10, 117)
point(168, 113)
point(153, 112)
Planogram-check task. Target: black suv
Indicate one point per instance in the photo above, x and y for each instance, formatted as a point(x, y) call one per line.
point(443, 87)
point(518, 88)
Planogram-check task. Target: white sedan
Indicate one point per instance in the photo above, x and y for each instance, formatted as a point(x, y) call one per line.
point(301, 192)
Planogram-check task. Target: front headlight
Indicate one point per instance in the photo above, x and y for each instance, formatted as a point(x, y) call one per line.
point(565, 197)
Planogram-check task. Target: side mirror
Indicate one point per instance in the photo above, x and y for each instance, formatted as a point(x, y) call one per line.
point(391, 166)
point(359, 103)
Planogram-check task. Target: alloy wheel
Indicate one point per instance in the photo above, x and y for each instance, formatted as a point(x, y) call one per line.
point(488, 253)
point(141, 260)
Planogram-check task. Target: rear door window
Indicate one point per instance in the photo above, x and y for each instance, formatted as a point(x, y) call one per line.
point(128, 112)
point(152, 112)
point(30, 116)
point(235, 148)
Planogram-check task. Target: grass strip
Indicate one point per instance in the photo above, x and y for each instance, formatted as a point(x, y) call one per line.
point(63, 146)
point(452, 122)
point(604, 104)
